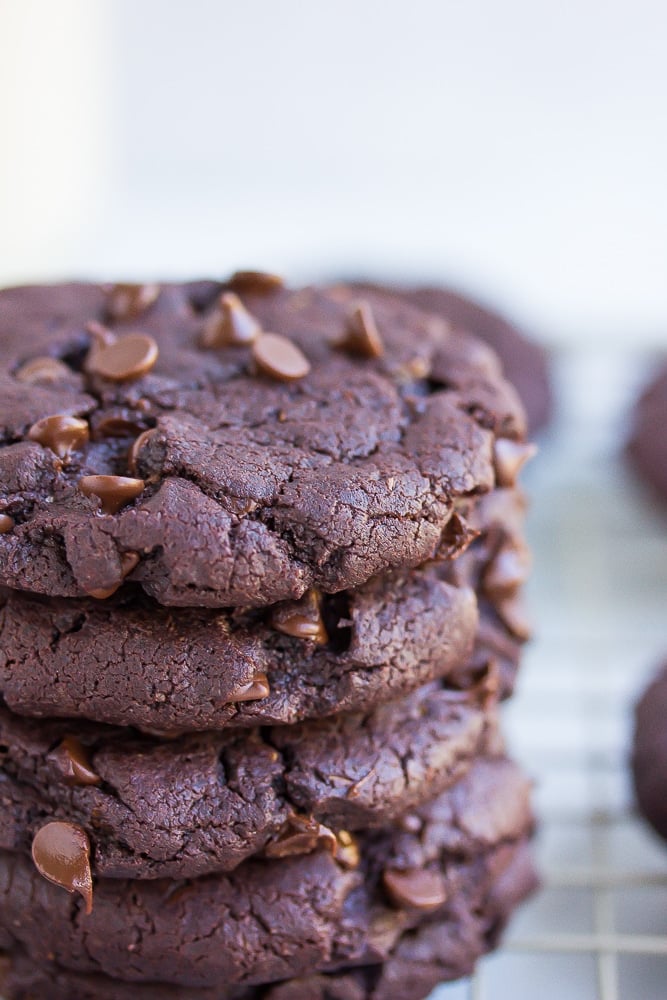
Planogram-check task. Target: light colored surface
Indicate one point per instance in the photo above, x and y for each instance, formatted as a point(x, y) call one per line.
point(598, 929)
point(519, 148)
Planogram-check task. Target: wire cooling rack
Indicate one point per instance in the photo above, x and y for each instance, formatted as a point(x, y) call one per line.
point(598, 928)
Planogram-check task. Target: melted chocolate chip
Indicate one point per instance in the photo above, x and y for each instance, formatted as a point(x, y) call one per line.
point(6, 523)
point(230, 324)
point(255, 282)
point(300, 835)
point(301, 619)
point(130, 301)
point(113, 491)
point(128, 357)
point(61, 853)
point(72, 760)
point(361, 334)
point(279, 358)
point(254, 690)
point(510, 457)
point(419, 889)
point(128, 562)
point(43, 370)
point(137, 445)
point(61, 433)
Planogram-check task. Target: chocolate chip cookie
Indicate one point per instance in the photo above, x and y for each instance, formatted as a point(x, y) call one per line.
point(205, 440)
point(205, 803)
point(276, 919)
point(649, 761)
point(647, 447)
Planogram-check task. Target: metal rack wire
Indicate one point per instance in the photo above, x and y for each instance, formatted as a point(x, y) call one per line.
point(598, 928)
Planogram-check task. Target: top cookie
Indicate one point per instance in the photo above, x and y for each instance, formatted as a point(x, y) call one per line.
point(524, 362)
point(158, 433)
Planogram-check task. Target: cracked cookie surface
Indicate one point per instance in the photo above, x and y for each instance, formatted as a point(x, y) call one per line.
point(275, 919)
point(240, 488)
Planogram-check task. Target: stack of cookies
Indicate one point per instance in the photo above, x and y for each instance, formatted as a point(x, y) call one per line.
point(261, 555)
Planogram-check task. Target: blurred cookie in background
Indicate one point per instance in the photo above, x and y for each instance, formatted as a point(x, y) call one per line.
point(649, 760)
point(647, 445)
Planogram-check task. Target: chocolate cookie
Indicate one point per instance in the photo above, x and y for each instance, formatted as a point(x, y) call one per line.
point(525, 363)
point(647, 447)
point(226, 451)
point(431, 953)
point(129, 661)
point(275, 919)
point(649, 761)
point(204, 803)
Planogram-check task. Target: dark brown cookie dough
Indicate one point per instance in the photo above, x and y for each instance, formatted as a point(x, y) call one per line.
point(272, 920)
point(647, 447)
point(649, 759)
point(525, 363)
point(434, 952)
point(249, 486)
point(204, 803)
point(129, 661)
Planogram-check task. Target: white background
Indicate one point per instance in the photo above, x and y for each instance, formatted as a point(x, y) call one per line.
point(518, 148)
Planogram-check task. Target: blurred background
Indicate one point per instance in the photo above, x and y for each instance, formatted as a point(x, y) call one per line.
point(515, 150)
point(518, 149)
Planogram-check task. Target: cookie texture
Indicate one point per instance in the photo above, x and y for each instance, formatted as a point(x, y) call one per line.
point(212, 479)
point(433, 952)
point(277, 919)
point(647, 447)
point(649, 760)
point(205, 803)
point(525, 363)
point(129, 661)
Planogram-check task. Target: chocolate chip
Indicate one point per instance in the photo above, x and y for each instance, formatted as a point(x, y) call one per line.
point(128, 357)
point(301, 619)
point(61, 853)
point(113, 491)
point(60, 433)
point(43, 369)
point(72, 760)
point(418, 889)
point(100, 335)
point(129, 301)
point(506, 572)
point(300, 835)
point(136, 447)
point(230, 324)
point(6, 523)
point(254, 690)
point(514, 616)
point(279, 358)
point(510, 457)
point(255, 282)
point(361, 334)
point(128, 562)
point(116, 425)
